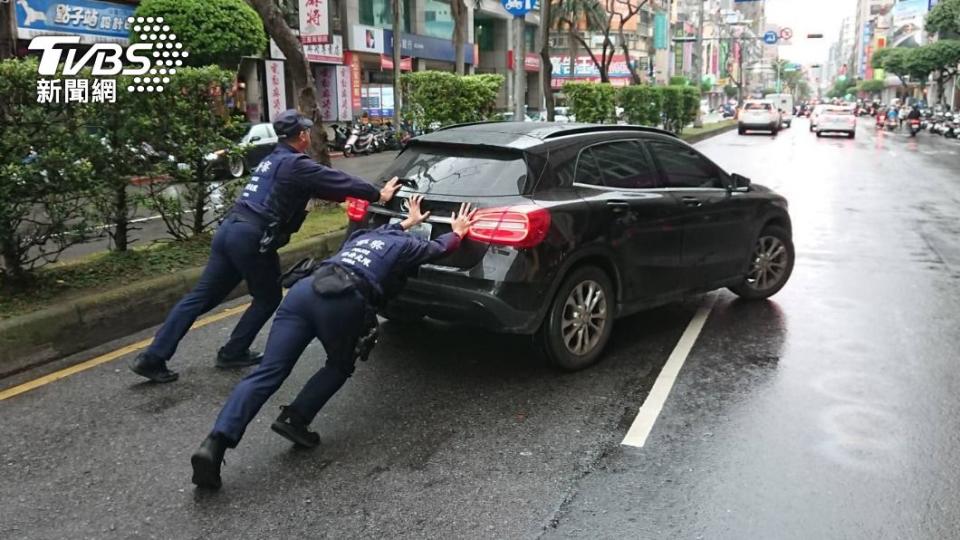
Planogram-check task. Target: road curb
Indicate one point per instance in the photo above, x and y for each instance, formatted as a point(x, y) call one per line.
point(704, 136)
point(53, 333)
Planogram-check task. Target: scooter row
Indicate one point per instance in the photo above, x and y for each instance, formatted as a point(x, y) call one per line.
point(947, 125)
point(361, 139)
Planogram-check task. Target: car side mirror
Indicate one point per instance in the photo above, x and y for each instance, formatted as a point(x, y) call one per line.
point(740, 183)
point(255, 138)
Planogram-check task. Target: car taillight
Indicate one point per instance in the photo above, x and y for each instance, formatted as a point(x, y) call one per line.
point(518, 226)
point(356, 208)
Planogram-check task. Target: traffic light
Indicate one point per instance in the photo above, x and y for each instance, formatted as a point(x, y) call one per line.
point(814, 36)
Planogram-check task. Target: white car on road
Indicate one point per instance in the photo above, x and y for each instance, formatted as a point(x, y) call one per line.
point(837, 120)
point(815, 115)
point(759, 115)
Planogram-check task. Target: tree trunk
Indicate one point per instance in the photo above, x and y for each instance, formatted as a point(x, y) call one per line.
point(634, 76)
point(303, 81)
point(8, 36)
point(12, 269)
point(121, 222)
point(545, 63)
point(574, 52)
point(458, 9)
point(200, 199)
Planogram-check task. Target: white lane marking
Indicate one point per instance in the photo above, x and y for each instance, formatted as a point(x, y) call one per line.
point(650, 410)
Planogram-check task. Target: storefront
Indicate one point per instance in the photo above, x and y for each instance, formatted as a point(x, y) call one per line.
point(370, 63)
point(94, 21)
point(332, 79)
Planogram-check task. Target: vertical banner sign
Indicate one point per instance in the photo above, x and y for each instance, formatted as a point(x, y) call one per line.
point(314, 22)
point(660, 31)
point(327, 81)
point(353, 61)
point(344, 101)
point(276, 88)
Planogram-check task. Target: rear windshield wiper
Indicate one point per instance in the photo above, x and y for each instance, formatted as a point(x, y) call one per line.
point(410, 183)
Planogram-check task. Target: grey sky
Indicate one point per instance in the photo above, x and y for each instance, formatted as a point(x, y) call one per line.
point(809, 17)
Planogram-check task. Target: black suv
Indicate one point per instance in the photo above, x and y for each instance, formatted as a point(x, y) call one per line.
point(579, 224)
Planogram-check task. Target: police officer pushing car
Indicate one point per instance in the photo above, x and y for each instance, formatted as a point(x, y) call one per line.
point(271, 207)
point(336, 305)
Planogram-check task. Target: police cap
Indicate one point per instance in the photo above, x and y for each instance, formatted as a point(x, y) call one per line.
point(290, 123)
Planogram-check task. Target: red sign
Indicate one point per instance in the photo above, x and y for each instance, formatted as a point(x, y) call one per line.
point(353, 61)
point(386, 63)
point(531, 61)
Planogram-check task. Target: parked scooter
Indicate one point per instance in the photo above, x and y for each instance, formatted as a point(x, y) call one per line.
point(951, 126)
point(359, 142)
point(340, 135)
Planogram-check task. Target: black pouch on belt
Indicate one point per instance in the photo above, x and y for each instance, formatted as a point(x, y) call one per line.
point(331, 280)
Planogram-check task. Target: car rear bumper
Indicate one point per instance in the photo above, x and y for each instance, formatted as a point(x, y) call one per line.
point(755, 125)
point(515, 308)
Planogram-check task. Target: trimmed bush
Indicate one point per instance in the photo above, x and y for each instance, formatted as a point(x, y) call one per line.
point(593, 103)
point(431, 97)
point(641, 104)
point(212, 31)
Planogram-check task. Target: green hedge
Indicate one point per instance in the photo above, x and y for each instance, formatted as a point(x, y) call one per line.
point(673, 107)
point(591, 102)
point(641, 104)
point(439, 96)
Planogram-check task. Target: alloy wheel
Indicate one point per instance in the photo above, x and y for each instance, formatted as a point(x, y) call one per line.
point(769, 266)
point(584, 317)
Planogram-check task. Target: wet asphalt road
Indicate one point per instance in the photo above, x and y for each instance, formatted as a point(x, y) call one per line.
point(829, 412)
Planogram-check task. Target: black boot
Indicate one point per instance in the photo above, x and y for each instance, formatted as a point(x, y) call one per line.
point(248, 358)
point(292, 427)
point(152, 368)
point(206, 462)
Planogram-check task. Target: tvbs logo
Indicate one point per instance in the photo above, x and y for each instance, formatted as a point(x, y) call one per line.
point(151, 61)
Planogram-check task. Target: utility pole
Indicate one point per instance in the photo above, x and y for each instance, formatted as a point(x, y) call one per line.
point(519, 76)
point(397, 45)
point(699, 64)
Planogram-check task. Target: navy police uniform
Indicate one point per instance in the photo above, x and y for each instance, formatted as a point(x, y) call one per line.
point(271, 207)
point(370, 261)
point(331, 305)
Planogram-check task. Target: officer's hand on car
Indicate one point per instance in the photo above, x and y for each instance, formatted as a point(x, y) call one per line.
point(463, 219)
point(391, 187)
point(414, 216)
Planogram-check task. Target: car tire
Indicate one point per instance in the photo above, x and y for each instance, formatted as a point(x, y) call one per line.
point(777, 265)
point(236, 166)
point(819, 134)
point(811, 129)
point(583, 343)
point(851, 135)
point(741, 131)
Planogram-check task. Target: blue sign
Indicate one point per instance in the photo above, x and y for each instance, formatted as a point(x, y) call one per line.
point(770, 38)
point(426, 47)
point(519, 8)
point(92, 20)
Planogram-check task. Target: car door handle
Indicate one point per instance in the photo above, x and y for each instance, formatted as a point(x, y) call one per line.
point(618, 206)
point(691, 201)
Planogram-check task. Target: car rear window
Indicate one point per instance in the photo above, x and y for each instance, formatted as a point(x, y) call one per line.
point(758, 106)
point(461, 171)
